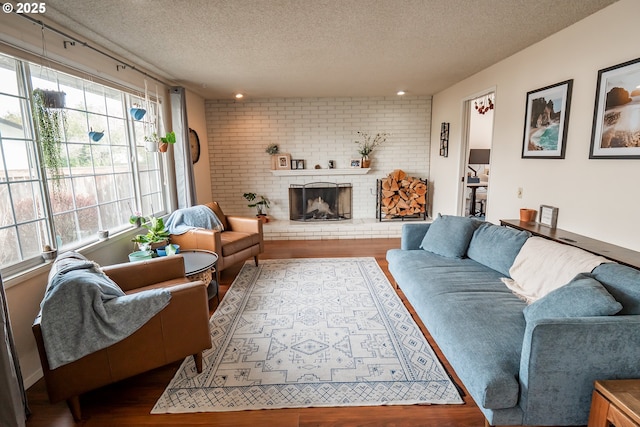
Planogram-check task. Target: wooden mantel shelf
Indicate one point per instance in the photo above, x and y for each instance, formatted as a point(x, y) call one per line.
point(320, 172)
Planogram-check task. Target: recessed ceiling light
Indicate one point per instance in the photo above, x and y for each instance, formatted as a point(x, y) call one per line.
point(239, 96)
point(400, 93)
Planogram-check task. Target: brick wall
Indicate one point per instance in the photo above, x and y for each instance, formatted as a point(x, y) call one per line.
point(316, 130)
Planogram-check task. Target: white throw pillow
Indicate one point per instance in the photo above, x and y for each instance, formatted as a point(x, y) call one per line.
point(543, 265)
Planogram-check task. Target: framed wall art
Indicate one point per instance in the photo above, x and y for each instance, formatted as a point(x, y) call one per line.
point(546, 121)
point(616, 118)
point(444, 139)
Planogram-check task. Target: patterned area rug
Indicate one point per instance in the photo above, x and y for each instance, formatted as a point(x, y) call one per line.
point(310, 332)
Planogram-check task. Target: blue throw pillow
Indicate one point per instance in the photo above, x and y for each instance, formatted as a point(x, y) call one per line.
point(584, 296)
point(496, 246)
point(449, 236)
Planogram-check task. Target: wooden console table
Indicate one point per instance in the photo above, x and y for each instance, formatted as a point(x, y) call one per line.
point(615, 253)
point(615, 403)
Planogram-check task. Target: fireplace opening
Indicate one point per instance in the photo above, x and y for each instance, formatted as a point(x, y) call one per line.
point(320, 201)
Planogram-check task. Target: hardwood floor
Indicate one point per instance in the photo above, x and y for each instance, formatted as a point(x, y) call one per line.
point(129, 402)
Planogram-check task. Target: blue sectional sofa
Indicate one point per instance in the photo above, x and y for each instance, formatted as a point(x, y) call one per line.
point(522, 364)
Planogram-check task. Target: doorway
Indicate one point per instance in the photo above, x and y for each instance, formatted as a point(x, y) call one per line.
point(476, 154)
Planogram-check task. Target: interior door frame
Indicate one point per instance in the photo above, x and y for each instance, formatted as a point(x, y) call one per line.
point(464, 144)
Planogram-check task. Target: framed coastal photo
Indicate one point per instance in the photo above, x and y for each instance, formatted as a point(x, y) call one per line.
point(355, 163)
point(283, 161)
point(546, 121)
point(616, 118)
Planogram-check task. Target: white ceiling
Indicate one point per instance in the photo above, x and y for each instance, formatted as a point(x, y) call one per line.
point(317, 48)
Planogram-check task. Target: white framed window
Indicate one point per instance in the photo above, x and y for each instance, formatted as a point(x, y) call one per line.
point(96, 185)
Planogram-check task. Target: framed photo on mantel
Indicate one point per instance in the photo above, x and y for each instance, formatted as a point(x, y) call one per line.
point(283, 161)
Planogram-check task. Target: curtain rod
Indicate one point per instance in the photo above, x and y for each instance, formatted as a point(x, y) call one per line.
point(121, 63)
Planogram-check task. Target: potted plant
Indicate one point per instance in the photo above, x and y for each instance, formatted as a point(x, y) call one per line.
point(170, 138)
point(49, 253)
point(156, 235)
point(155, 142)
point(151, 142)
point(368, 143)
point(261, 204)
point(51, 120)
point(272, 150)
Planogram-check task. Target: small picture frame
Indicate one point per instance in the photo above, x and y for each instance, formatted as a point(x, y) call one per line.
point(297, 164)
point(283, 161)
point(548, 216)
point(355, 163)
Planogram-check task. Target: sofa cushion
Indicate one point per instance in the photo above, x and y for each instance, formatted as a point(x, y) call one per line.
point(449, 236)
point(496, 246)
point(623, 283)
point(471, 315)
point(236, 241)
point(584, 296)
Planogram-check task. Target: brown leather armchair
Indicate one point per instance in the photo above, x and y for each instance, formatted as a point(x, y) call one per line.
point(241, 239)
point(179, 330)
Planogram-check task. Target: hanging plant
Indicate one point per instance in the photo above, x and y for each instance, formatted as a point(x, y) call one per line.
point(51, 120)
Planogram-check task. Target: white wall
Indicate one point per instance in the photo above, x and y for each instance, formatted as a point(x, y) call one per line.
point(201, 169)
point(597, 198)
point(316, 130)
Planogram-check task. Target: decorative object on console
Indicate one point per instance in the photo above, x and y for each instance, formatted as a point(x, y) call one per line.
point(297, 164)
point(546, 121)
point(303, 343)
point(444, 139)
point(367, 144)
point(548, 216)
point(528, 215)
point(615, 120)
point(355, 163)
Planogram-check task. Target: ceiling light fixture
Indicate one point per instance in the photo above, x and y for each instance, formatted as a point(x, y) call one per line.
point(239, 96)
point(400, 93)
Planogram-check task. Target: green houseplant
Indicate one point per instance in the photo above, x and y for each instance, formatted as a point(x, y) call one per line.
point(156, 235)
point(261, 204)
point(163, 142)
point(51, 120)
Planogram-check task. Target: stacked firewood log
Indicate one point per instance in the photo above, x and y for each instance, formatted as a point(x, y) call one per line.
point(402, 195)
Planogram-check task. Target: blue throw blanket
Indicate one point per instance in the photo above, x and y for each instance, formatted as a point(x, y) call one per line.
point(200, 216)
point(84, 311)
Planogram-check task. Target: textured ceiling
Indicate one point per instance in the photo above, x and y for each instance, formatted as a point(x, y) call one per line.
point(317, 48)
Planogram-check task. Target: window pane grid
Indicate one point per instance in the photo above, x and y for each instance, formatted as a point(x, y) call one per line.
point(99, 184)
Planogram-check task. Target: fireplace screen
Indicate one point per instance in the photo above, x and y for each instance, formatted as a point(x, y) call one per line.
point(320, 201)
